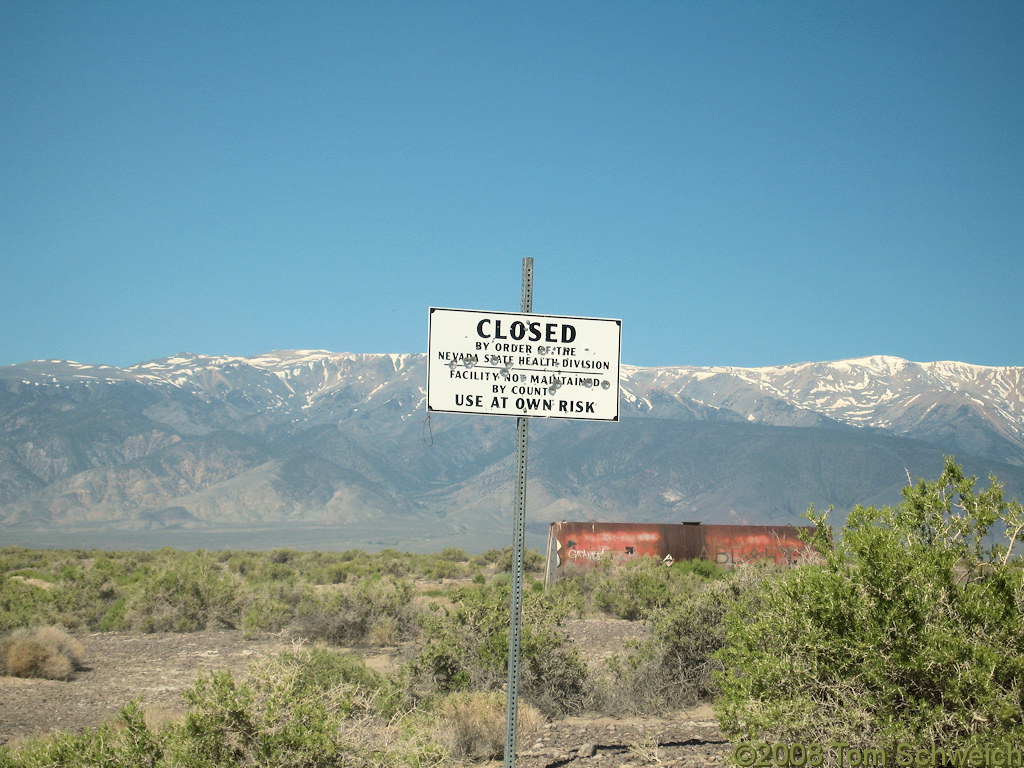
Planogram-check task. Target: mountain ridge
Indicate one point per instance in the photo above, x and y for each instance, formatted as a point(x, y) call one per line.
point(311, 438)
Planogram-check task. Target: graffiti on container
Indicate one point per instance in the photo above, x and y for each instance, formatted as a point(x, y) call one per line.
point(724, 555)
point(585, 554)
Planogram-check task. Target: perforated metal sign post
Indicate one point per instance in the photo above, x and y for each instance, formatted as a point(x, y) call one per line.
point(522, 365)
point(518, 556)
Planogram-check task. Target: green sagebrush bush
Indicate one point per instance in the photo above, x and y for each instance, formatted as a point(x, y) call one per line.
point(124, 743)
point(22, 604)
point(285, 717)
point(189, 593)
point(168, 590)
point(637, 588)
point(82, 590)
point(466, 649)
point(910, 631)
point(93, 597)
point(375, 611)
point(503, 559)
point(673, 667)
point(309, 707)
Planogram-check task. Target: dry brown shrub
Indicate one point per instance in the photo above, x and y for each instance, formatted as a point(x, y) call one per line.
point(43, 652)
point(160, 718)
point(63, 643)
point(474, 725)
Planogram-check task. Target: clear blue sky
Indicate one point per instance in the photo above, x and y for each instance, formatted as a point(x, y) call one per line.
point(741, 183)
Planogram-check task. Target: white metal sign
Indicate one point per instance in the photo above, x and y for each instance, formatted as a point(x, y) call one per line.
point(508, 364)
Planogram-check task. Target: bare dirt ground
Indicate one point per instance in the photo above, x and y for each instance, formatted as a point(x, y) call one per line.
point(157, 668)
point(119, 668)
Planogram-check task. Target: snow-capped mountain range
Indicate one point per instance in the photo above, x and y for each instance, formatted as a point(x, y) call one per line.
point(342, 441)
point(923, 400)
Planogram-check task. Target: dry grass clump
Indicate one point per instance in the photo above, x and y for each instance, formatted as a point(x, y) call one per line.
point(46, 652)
point(475, 725)
point(160, 718)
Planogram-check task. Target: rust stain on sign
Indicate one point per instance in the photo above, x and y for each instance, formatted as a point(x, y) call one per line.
point(580, 545)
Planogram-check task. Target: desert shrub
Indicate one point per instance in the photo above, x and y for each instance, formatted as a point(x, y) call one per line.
point(449, 563)
point(63, 588)
point(442, 568)
point(279, 573)
point(632, 588)
point(491, 556)
point(278, 719)
point(97, 591)
point(336, 573)
point(125, 568)
point(454, 554)
point(636, 588)
point(267, 605)
point(17, 558)
point(466, 649)
point(675, 665)
point(244, 564)
point(533, 561)
point(190, 593)
point(23, 604)
point(391, 562)
point(44, 652)
point(32, 573)
point(911, 631)
point(341, 566)
point(90, 598)
point(308, 707)
point(378, 611)
point(703, 569)
point(640, 587)
point(321, 667)
point(474, 725)
point(125, 743)
point(264, 613)
point(279, 556)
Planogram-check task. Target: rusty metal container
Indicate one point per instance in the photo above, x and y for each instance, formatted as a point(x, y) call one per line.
point(573, 545)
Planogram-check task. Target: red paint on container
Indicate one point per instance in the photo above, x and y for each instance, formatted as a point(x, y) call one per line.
point(580, 545)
